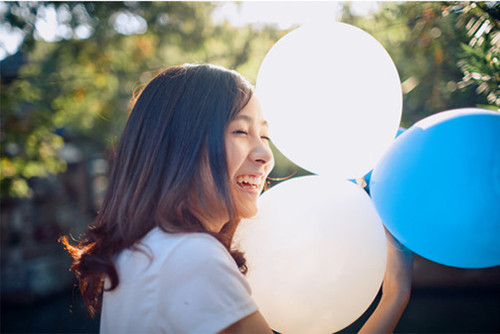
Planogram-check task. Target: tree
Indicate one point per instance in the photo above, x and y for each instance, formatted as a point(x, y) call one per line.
point(77, 81)
point(426, 41)
point(480, 61)
point(76, 87)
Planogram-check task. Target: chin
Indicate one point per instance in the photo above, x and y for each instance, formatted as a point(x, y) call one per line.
point(249, 211)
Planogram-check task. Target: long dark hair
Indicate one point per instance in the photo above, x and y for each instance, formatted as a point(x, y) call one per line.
point(169, 170)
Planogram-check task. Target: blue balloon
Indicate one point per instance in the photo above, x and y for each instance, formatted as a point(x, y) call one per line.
point(437, 188)
point(400, 131)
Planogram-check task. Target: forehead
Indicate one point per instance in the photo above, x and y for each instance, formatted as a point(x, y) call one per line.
point(252, 112)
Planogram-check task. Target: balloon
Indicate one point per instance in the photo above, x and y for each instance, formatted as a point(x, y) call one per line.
point(438, 188)
point(333, 98)
point(400, 131)
point(316, 254)
point(368, 176)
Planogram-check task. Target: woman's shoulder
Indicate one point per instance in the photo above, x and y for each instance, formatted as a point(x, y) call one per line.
point(171, 254)
point(193, 247)
point(195, 241)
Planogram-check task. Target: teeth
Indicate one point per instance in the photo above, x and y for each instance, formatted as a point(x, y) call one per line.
point(248, 181)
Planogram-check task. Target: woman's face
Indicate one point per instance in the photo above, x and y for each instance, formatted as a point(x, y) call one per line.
point(249, 156)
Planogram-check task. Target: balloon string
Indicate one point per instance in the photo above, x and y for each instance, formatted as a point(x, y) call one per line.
point(282, 178)
point(267, 185)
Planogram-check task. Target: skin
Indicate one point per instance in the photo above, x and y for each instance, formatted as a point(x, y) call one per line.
point(249, 154)
point(396, 289)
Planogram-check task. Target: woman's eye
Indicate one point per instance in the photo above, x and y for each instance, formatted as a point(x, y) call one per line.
point(265, 138)
point(242, 132)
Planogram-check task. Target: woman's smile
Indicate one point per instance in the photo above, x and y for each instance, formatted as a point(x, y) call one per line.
point(250, 183)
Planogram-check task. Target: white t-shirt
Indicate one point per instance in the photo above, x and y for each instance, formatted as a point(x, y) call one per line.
point(188, 284)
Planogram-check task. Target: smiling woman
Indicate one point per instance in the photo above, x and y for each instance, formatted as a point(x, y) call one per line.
point(191, 163)
point(192, 160)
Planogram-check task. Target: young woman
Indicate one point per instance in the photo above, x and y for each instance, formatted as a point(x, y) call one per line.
point(192, 161)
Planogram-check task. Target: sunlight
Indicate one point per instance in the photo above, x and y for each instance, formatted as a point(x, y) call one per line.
point(287, 14)
point(10, 39)
point(283, 14)
point(46, 25)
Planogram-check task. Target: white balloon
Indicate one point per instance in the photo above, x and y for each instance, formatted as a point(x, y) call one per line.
point(333, 97)
point(316, 254)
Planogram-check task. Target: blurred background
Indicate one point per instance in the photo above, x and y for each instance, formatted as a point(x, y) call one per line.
point(69, 70)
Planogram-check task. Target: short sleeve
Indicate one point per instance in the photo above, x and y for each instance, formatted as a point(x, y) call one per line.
point(202, 290)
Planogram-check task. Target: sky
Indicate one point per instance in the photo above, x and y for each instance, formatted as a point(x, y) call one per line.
point(283, 14)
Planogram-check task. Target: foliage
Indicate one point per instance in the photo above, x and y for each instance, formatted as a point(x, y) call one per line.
point(425, 40)
point(77, 87)
point(480, 62)
point(76, 84)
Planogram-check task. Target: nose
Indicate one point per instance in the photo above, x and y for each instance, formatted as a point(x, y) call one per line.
point(262, 153)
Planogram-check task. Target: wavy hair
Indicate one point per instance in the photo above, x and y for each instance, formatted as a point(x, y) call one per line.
point(169, 170)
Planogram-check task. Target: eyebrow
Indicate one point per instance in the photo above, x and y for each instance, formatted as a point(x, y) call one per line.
point(248, 119)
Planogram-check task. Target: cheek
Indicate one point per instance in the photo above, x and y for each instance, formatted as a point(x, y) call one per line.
point(234, 158)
